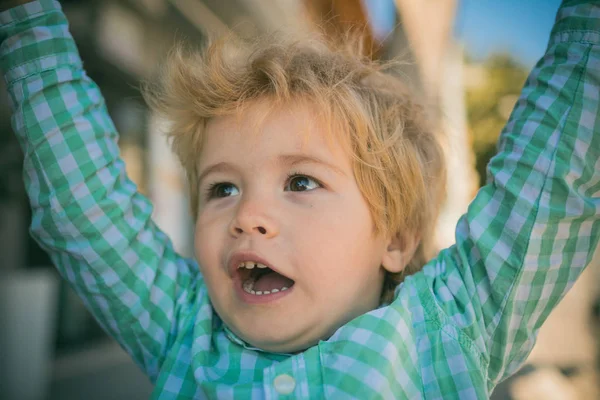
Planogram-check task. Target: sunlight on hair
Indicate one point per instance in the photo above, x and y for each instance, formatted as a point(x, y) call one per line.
point(397, 158)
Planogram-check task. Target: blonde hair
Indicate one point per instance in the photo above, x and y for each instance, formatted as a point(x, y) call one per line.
point(397, 158)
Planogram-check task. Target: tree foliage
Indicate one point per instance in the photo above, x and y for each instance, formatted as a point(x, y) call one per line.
point(490, 96)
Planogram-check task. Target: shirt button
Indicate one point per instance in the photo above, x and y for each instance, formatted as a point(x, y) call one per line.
point(284, 384)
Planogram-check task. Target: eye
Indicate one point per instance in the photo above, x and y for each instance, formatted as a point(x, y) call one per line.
point(301, 183)
point(222, 189)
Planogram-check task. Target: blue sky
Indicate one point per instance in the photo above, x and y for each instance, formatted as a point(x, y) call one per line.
point(520, 27)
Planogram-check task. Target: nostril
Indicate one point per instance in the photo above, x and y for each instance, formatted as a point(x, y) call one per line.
point(262, 230)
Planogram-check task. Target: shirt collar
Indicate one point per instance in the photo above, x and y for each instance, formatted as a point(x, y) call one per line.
point(218, 324)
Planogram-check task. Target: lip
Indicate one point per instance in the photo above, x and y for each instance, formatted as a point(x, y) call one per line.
point(254, 299)
point(240, 256)
point(235, 260)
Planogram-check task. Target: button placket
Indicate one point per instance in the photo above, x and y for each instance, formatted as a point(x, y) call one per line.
point(287, 379)
point(284, 384)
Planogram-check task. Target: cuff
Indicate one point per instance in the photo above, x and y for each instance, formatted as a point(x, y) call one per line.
point(577, 21)
point(35, 37)
point(25, 12)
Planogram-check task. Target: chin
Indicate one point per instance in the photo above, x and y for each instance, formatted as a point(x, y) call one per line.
point(283, 342)
point(284, 347)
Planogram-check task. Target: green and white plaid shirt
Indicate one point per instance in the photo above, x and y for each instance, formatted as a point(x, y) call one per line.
point(454, 330)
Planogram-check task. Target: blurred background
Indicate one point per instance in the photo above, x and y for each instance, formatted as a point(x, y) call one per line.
point(466, 58)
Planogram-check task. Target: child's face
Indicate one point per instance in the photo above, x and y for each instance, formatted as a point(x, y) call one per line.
point(276, 193)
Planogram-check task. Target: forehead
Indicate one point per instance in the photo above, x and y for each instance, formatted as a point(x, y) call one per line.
point(266, 130)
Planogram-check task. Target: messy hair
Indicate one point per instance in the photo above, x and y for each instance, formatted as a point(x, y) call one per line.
point(396, 156)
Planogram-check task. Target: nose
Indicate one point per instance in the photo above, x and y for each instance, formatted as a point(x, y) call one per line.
point(254, 217)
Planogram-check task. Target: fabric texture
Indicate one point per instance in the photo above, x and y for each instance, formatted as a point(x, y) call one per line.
point(455, 329)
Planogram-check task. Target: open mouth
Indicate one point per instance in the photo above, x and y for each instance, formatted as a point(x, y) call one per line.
point(259, 280)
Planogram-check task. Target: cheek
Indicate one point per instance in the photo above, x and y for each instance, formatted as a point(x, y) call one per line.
point(340, 245)
point(352, 228)
point(206, 242)
point(199, 239)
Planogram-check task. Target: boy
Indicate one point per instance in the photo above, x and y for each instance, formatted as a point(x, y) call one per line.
point(325, 229)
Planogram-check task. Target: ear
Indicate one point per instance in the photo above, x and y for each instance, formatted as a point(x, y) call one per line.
point(399, 251)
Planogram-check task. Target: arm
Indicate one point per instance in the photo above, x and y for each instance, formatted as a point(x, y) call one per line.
point(8, 4)
point(534, 227)
point(86, 213)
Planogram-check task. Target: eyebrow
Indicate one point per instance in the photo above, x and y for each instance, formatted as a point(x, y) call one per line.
point(292, 160)
point(289, 160)
point(218, 167)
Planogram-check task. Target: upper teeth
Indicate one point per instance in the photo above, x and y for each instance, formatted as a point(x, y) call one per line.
point(251, 265)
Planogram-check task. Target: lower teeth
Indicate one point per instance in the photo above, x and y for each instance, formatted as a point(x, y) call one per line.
point(249, 284)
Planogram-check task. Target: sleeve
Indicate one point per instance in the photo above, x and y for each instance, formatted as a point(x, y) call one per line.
point(87, 214)
point(534, 227)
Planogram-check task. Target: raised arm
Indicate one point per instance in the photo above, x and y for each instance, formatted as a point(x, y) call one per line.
point(534, 227)
point(86, 213)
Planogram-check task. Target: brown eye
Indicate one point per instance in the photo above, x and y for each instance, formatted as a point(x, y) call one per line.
point(301, 183)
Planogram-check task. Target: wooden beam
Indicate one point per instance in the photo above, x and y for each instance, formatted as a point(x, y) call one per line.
point(428, 25)
point(337, 18)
